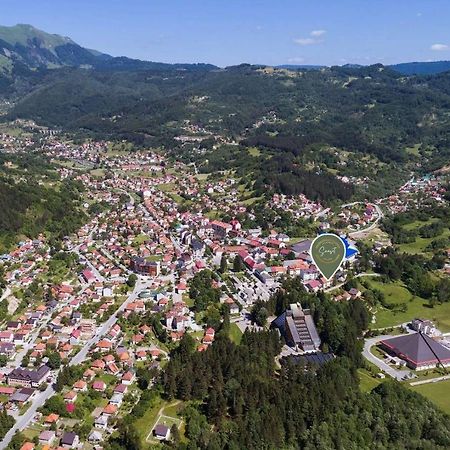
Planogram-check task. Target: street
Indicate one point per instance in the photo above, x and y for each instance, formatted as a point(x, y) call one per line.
point(397, 374)
point(41, 397)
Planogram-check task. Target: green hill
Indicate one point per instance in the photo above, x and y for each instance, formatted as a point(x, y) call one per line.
point(26, 35)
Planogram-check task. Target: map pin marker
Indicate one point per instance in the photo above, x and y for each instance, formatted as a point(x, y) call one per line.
point(327, 252)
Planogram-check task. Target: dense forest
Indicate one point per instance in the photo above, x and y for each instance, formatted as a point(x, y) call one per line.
point(237, 397)
point(30, 206)
point(371, 109)
point(301, 121)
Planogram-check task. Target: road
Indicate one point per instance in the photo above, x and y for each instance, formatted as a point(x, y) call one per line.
point(368, 344)
point(5, 294)
point(81, 355)
point(359, 275)
point(360, 233)
point(41, 397)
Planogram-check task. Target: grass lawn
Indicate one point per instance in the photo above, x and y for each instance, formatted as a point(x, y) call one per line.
point(295, 240)
point(146, 422)
point(366, 381)
point(140, 239)
point(419, 245)
point(235, 333)
point(414, 150)
point(153, 258)
point(438, 393)
point(32, 431)
point(166, 187)
point(254, 151)
point(169, 413)
point(416, 307)
point(418, 223)
point(169, 421)
point(213, 214)
point(98, 173)
point(251, 200)
point(197, 335)
point(177, 198)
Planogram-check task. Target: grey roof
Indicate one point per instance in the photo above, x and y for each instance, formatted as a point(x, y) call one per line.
point(418, 348)
point(21, 395)
point(95, 436)
point(68, 438)
point(161, 430)
point(33, 376)
point(298, 328)
point(6, 347)
point(302, 246)
point(47, 435)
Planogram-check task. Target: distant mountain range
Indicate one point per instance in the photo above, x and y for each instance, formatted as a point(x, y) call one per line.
point(422, 68)
point(25, 47)
point(409, 68)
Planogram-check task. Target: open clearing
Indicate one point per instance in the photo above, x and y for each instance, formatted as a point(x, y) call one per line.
point(235, 333)
point(416, 307)
point(166, 415)
point(420, 244)
point(438, 393)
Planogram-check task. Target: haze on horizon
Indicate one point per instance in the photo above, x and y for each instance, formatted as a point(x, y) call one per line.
point(259, 32)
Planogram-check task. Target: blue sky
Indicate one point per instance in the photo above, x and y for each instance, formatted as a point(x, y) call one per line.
point(226, 32)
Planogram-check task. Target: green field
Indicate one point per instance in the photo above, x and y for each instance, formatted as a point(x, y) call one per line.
point(235, 333)
point(253, 151)
point(419, 245)
point(160, 412)
point(414, 150)
point(146, 422)
point(438, 393)
point(166, 187)
point(418, 223)
point(366, 381)
point(416, 307)
point(140, 239)
point(98, 172)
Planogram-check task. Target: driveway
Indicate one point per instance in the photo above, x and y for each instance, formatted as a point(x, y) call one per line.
point(398, 374)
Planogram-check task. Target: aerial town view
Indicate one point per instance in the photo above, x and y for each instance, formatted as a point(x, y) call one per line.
point(220, 253)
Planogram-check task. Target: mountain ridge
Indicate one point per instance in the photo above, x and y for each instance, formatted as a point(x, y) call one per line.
point(25, 47)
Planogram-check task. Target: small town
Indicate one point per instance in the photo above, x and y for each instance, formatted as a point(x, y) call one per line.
point(89, 324)
point(225, 225)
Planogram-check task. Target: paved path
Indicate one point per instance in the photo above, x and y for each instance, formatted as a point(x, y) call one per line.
point(430, 380)
point(359, 275)
point(359, 233)
point(6, 293)
point(368, 344)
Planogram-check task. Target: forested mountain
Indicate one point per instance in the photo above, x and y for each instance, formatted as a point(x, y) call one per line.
point(372, 109)
point(24, 47)
point(301, 120)
point(29, 206)
point(422, 68)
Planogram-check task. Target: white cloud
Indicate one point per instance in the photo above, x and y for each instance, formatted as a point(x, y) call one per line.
point(315, 38)
point(296, 60)
point(317, 33)
point(305, 41)
point(439, 47)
